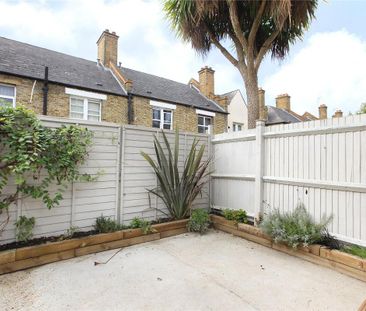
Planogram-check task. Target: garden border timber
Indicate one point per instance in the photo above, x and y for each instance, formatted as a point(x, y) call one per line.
point(340, 261)
point(32, 256)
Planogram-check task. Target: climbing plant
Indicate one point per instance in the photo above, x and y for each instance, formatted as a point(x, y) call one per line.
point(34, 157)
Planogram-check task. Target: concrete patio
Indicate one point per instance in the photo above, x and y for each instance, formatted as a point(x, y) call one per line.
point(215, 271)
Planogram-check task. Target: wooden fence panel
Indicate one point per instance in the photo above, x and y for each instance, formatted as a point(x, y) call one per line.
point(321, 164)
point(120, 190)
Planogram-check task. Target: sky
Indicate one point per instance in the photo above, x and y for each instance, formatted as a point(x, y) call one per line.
point(328, 66)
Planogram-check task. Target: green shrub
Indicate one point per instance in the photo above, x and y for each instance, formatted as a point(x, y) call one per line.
point(178, 188)
point(38, 157)
point(199, 221)
point(295, 228)
point(105, 224)
point(239, 216)
point(355, 250)
point(24, 228)
point(145, 225)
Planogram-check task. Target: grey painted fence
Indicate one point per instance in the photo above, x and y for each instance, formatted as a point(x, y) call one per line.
point(120, 190)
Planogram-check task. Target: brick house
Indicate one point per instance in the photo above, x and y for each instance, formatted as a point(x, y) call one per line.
point(61, 85)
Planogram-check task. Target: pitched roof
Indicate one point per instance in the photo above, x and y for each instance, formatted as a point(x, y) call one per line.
point(29, 61)
point(307, 116)
point(230, 95)
point(154, 87)
point(277, 116)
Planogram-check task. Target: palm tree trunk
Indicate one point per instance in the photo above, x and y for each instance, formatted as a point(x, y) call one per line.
point(251, 86)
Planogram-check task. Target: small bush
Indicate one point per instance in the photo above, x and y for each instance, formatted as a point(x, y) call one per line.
point(199, 221)
point(355, 250)
point(145, 225)
point(24, 228)
point(239, 216)
point(104, 224)
point(294, 228)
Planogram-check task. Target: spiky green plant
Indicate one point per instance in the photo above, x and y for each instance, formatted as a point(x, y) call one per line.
point(178, 190)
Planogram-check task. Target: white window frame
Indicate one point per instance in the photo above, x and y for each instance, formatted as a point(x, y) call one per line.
point(235, 126)
point(209, 127)
point(162, 110)
point(85, 107)
point(10, 97)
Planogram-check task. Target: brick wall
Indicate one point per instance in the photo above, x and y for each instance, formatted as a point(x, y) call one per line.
point(184, 117)
point(114, 109)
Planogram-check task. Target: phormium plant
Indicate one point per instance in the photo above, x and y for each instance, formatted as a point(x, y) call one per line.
point(177, 187)
point(38, 157)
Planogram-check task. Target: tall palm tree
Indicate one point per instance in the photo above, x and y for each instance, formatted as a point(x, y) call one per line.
point(254, 28)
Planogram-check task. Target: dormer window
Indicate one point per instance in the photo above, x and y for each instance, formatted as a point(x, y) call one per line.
point(7, 95)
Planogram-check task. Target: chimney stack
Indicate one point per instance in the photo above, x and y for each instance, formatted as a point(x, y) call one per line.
point(207, 81)
point(338, 114)
point(283, 101)
point(323, 112)
point(263, 112)
point(108, 48)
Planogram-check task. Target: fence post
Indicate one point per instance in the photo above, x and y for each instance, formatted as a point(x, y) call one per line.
point(120, 175)
point(259, 166)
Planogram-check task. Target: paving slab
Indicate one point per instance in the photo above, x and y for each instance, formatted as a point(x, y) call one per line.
point(216, 271)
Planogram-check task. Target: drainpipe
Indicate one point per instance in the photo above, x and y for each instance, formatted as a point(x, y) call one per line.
point(130, 117)
point(45, 91)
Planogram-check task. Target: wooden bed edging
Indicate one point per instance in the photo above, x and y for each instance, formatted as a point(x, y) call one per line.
point(32, 256)
point(342, 262)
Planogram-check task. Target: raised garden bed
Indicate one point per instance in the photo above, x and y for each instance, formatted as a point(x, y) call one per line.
point(32, 256)
point(340, 261)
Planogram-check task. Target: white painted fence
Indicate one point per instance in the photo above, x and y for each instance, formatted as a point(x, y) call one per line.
point(120, 190)
point(320, 163)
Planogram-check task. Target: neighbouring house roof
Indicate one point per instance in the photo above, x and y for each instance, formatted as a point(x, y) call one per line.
point(307, 116)
point(230, 95)
point(25, 60)
point(277, 116)
point(154, 87)
point(21, 59)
